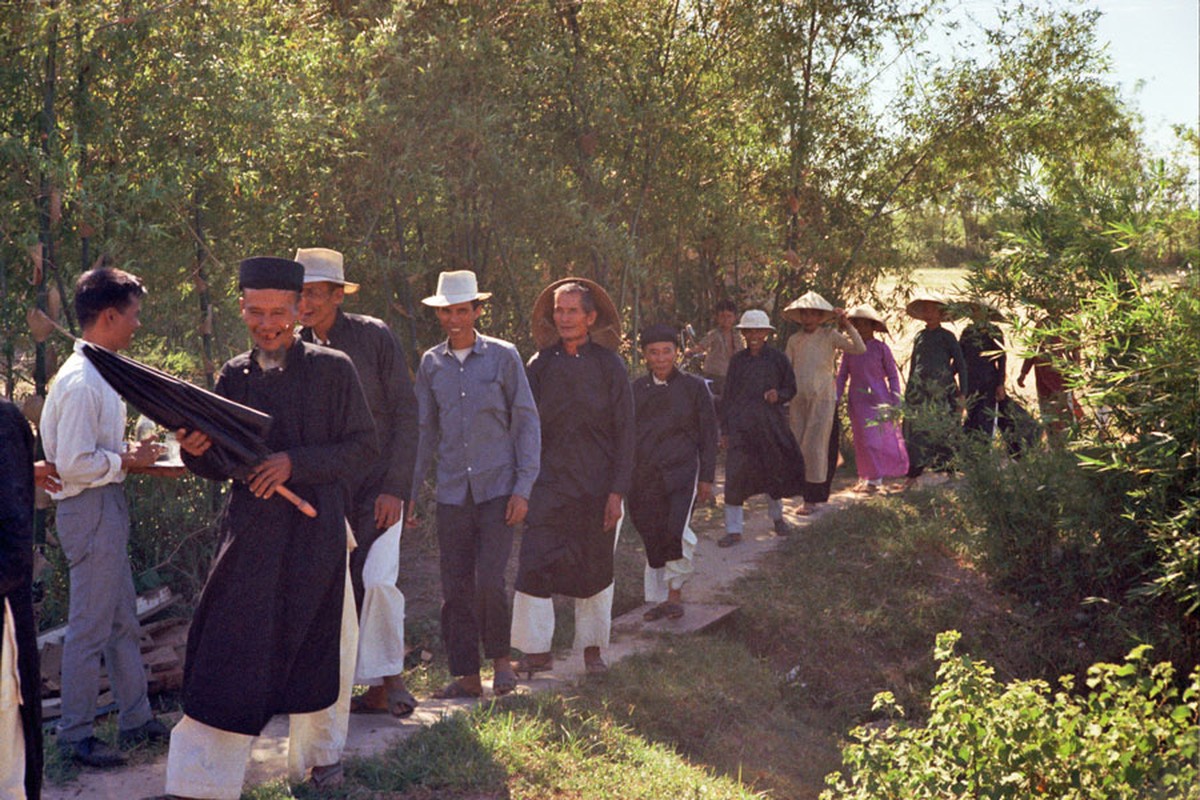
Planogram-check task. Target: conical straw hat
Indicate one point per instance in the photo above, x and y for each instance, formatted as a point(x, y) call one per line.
point(864, 311)
point(808, 301)
point(605, 332)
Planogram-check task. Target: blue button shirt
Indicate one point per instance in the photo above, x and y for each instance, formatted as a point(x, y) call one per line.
point(479, 417)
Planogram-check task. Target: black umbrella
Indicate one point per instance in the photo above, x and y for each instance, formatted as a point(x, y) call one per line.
point(238, 432)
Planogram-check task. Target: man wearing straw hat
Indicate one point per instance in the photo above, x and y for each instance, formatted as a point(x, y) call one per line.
point(813, 352)
point(586, 409)
point(478, 415)
point(379, 491)
point(267, 635)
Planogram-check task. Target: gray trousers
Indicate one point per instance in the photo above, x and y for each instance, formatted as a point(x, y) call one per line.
point(93, 529)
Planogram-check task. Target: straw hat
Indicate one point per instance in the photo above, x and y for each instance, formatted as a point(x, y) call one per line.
point(458, 286)
point(976, 309)
point(864, 311)
point(920, 306)
point(755, 320)
point(810, 301)
point(605, 332)
point(323, 264)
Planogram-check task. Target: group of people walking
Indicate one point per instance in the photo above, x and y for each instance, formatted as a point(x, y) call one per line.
point(298, 609)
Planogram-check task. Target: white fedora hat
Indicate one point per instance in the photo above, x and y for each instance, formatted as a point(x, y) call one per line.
point(755, 319)
point(456, 287)
point(323, 264)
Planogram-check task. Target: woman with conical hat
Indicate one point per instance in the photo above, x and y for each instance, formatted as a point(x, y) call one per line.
point(931, 396)
point(812, 352)
point(982, 345)
point(874, 388)
point(586, 409)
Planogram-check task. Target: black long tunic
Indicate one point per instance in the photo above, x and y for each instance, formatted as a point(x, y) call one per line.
point(676, 445)
point(264, 639)
point(383, 373)
point(985, 361)
point(16, 577)
point(929, 398)
point(586, 411)
point(762, 457)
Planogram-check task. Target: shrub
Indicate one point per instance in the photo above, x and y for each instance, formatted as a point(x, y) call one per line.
point(1135, 734)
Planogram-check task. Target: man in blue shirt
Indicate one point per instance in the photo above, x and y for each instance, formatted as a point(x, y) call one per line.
point(478, 415)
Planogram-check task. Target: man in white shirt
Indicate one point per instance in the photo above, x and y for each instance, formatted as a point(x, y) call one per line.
point(83, 433)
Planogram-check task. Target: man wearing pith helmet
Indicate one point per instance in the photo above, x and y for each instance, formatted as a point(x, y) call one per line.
point(380, 488)
point(586, 410)
point(478, 416)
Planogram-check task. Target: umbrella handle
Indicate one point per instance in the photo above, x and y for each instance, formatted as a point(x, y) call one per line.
point(299, 502)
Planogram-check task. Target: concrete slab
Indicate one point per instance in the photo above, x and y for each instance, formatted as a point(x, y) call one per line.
point(696, 618)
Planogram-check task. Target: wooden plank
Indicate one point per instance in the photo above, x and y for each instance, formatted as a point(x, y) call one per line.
point(148, 604)
point(696, 617)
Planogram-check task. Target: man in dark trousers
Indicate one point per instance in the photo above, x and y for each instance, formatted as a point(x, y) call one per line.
point(20, 681)
point(586, 411)
point(675, 465)
point(479, 418)
point(379, 492)
point(266, 635)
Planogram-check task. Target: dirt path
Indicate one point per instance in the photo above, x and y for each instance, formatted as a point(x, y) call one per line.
point(716, 570)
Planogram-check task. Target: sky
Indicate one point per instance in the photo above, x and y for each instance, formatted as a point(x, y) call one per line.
point(1154, 47)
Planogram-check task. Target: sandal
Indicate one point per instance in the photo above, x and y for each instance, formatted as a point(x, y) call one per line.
point(359, 705)
point(729, 540)
point(655, 612)
point(456, 691)
point(529, 666)
point(594, 668)
point(672, 610)
point(328, 777)
point(504, 683)
point(400, 702)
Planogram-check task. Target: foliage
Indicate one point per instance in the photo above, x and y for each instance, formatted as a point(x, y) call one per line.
point(1133, 734)
point(1138, 374)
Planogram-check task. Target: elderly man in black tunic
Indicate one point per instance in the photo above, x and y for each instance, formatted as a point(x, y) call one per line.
point(20, 682)
point(586, 410)
point(675, 465)
point(380, 491)
point(763, 457)
point(265, 638)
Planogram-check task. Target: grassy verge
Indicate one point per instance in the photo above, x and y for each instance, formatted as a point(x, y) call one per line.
point(849, 608)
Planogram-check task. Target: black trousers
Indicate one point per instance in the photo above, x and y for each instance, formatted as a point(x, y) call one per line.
point(660, 517)
point(819, 492)
point(474, 544)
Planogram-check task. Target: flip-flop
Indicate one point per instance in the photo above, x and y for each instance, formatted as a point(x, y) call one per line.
point(327, 777)
point(504, 683)
point(400, 702)
point(358, 705)
point(456, 691)
point(595, 668)
point(729, 540)
point(672, 610)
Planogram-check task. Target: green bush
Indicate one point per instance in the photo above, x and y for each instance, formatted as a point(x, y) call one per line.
point(1048, 528)
point(1134, 734)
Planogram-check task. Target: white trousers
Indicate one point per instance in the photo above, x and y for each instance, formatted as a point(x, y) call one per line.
point(381, 623)
point(533, 621)
point(12, 734)
point(658, 581)
point(208, 762)
point(533, 617)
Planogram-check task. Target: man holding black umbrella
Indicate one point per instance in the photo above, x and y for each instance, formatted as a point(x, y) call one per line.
point(267, 633)
point(83, 433)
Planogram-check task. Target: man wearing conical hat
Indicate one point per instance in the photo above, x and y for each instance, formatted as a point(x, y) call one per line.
point(267, 635)
point(380, 490)
point(586, 409)
point(813, 352)
point(478, 416)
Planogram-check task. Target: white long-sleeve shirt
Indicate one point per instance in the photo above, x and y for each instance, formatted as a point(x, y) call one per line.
point(83, 427)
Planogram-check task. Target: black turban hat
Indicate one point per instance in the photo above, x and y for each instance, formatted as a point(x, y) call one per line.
point(658, 333)
point(266, 272)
